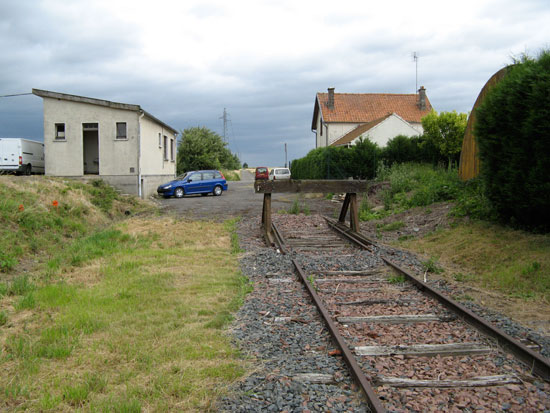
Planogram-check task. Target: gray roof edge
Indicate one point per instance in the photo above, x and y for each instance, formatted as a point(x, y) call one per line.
point(159, 121)
point(99, 102)
point(84, 99)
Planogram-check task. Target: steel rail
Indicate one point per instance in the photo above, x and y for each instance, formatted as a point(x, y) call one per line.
point(279, 239)
point(538, 364)
point(349, 358)
point(350, 234)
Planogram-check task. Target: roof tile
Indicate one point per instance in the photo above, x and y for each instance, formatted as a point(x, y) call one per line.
point(367, 107)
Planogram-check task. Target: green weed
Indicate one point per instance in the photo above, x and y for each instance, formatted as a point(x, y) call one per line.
point(299, 207)
point(461, 277)
point(20, 285)
point(392, 226)
point(432, 266)
point(76, 396)
point(397, 279)
point(231, 227)
point(3, 318)
point(26, 302)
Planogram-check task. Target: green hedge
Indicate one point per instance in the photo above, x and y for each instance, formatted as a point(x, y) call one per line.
point(359, 161)
point(513, 133)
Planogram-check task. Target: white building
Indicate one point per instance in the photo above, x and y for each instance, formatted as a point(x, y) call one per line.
point(341, 118)
point(379, 131)
point(121, 143)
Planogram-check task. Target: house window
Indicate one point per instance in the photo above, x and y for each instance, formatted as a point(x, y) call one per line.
point(160, 140)
point(165, 147)
point(121, 130)
point(59, 131)
point(172, 149)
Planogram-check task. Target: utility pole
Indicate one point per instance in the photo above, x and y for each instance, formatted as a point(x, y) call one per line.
point(224, 117)
point(285, 156)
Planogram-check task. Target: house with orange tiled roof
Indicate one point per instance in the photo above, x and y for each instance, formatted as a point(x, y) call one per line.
point(343, 118)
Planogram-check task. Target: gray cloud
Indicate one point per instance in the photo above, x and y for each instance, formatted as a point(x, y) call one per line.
point(185, 72)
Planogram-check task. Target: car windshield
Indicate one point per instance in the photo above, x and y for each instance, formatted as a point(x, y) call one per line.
point(182, 177)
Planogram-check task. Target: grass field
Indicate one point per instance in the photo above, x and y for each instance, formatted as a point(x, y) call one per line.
point(513, 262)
point(123, 317)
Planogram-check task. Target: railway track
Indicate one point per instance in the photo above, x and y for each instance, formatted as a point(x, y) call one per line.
point(409, 347)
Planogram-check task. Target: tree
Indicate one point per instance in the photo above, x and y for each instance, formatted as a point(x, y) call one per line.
point(400, 149)
point(245, 165)
point(513, 135)
point(446, 132)
point(201, 148)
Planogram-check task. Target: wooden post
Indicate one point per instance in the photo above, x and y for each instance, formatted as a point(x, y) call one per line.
point(344, 210)
point(266, 215)
point(353, 213)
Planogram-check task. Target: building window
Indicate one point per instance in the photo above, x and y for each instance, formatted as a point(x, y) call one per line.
point(160, 140)
point(172, 149)
point(59, 131)
point(165, 147)
point(121, 130)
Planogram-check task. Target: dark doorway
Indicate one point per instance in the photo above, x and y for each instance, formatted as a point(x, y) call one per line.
point(90, 133)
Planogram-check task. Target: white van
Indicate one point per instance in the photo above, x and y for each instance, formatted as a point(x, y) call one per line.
point(279, 173)
point(21, 156)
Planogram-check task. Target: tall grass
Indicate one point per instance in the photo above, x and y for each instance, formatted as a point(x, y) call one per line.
point(41, 216)
point(513, 262)
point(231, 175)
point(416, 185)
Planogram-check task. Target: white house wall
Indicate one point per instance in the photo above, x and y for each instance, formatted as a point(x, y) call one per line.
point(65, 157)
point(388, 129)
point(155, 170)
point(337, 130)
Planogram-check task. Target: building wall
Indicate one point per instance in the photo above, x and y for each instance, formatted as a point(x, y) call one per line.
point(337, 130)
point(65, 157)
point(418, 127)
point(388, 129)
point(152, 151)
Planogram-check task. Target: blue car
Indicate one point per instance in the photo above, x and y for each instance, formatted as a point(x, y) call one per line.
point(194, 182)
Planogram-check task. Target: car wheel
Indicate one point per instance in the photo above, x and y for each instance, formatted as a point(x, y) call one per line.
point(217, 190)
point(179, 192)
point(28, 169)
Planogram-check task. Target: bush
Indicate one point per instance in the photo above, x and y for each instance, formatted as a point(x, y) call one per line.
point(513, 134)
point(359, 161)
point(404, 149)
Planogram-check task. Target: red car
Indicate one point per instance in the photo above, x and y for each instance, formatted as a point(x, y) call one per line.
point(262, 173)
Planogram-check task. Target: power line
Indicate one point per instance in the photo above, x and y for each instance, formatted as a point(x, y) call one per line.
point(17, 94)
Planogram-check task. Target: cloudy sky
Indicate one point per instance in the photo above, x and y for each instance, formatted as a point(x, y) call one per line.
point(264, 60)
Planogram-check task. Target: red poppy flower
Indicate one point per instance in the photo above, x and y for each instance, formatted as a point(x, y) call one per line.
point(21, 207)
point(55, 203)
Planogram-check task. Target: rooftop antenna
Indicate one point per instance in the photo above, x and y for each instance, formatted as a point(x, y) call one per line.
point(415, 58)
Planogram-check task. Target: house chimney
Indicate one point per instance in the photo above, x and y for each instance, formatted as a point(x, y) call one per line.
point(330, 102)
point(422, 98)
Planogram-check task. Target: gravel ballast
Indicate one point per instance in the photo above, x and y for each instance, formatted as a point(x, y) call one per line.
point(281, 331)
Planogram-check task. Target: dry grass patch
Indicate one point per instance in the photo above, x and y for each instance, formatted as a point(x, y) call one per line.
point(138, 330)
